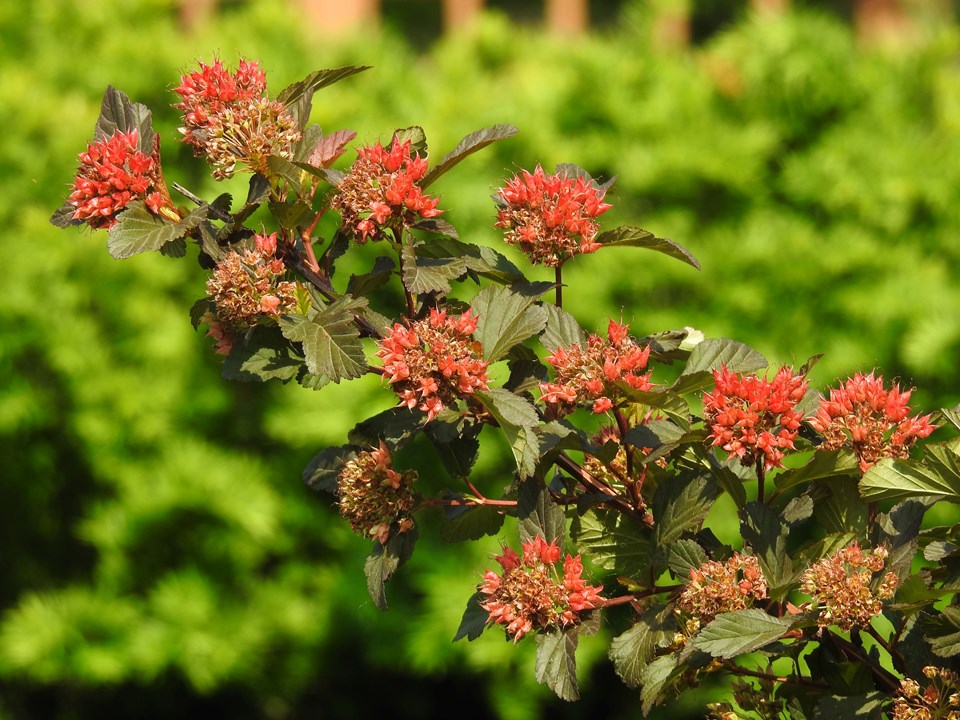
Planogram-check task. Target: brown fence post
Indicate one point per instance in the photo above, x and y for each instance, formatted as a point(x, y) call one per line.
point(567, 16)
point(325, 17)
point(460, 13)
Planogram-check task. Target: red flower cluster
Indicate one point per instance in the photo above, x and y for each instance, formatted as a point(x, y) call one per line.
point(717, 587)
point(433, 361)
point(113, 172)
point(374, 497)
point(531, 595)
point(246, 288)
point(589, 374)
point(228, 118)
point(752, 417)
point(842, 582)
point(381, 191)
point(872, 420)
point(550, 217)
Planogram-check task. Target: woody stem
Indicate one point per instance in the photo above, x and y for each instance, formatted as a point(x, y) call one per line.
point(559, 276)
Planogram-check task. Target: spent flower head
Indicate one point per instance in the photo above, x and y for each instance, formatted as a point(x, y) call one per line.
point(228, 118)
point(376, 499)
point(590, 374)
point(531, 594)
point(550, 217)
point(871, 420)
point(939, 700)
point(848, 587)
point(752, 417)
point(433, 361)
point(112, 172)
point(247, 288)
point(718, 587)
point(380, 191)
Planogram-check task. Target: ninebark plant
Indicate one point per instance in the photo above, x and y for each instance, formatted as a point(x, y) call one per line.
point(839, 601)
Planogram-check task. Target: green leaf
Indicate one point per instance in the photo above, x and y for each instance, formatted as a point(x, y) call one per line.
point(298, 97)
point(684, 555)
point(331, 341)
point(200, 308)
point(766, 533)
point(631, 651)
point(456, 440)
point(470, 522)
point(613, 541)
point(504, 319)
point(480, 259)
point(118, 114)
point(655, 678)
point(323, 471)
point(562, 330)
point(741, 631)
point(466, 147)
point(681, 504)
point(261, 354)
point(137, 230)
point(360, 285)
point(292, 214)
point(951, 415)
point(839, 507)
point(942, 631)
point(175, 248)
point(712, 354)
point(822, 465)
point(557, 663)
point(868, 706)
point(383, 562)
point(518, 420)
point(474, 619)
point(938, 476)
point(429, 275)
point(282, 168)
point(626, 236)
point(416, 136)
point(438, 226)
point(538, 515)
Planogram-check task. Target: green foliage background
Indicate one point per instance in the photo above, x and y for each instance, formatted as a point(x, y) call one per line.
point(159, 553)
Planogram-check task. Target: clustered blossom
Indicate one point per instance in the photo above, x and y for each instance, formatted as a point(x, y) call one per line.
point(717, 587)
point(752, 417)
point(589, 374)
point(112, 172)
point(550, 217)
point(229, 118)
point(433, 361)
point(375, 498)
point(531, 595)
point(380, 191)
point(246, 288)
point(842, 584)
point(873, 421)
point(940, 700)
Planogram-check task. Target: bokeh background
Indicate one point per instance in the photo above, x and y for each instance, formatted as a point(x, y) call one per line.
point(159, 555)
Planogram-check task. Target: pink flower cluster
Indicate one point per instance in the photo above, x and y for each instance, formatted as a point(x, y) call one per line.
point(228, 117)
point(590, 374)
point(842, 584)
point(550, 217)
point(873, 421)
point(381, 191)
point(752, 417)
point(530, 594)
point(246, 288)
point(433, 361)
point(940, 700)
point(375, 498)
point(717, 587)
point(113, 172)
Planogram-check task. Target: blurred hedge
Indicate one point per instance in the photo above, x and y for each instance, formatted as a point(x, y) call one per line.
point(160, 553)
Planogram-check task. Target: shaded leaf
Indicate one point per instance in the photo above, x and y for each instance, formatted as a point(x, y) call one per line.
point(557, 663)
point(741, 631)
point(325, 467)
point(429, 275)
point(383, 562)
point(63, 216)
point(942, 631)
point(684, 555)
point(681, 504)
point(626, 236)
point(282, 168)
point(504, 319)
point(331, 341)
point(298, 97)
point(712, 354)
point(393, 427)
point(631, 651)
point(766, 533)
point(417, 138)
point(438, 226)
point(823, 464)
point(539, 516)
point(118, 114)
point(480, 259)
point(466, 147)
point(359, 285)
point(655, 678)
point(138, 230)
point(292, 214)
point(260, 355)
point(474, 619)
point(470, 522)
point(457, 442)
point(561, 330)
point(868, 706)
